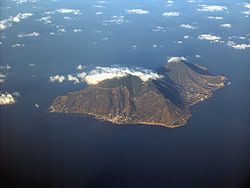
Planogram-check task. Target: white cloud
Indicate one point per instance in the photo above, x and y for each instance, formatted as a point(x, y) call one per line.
point(67, 18)
point(77, 30)
point(98, 6)
point(187, 26)
point(157, 45)
point(100, 74)
point(105, 38)
point(61, 30)
point(99, 13)
point(22, 16)
point(14, 19)
point(159, 28)
point(17, 45)
point(57, 78)
point(2, 75)
point(5, 67)
point(247, 12)
point(101, 2)
point(33, 34)
point(211, 8)
point(72, 78)
point(238, 46)
point(45, 19)
point(2, 78)
point(79, 67)
point(171, 14)
point(7, 99)
point(20, 2)
point(247, 5)
point(246, 37)
point(134, 47)
point(176, 59)
point(226, 25)
point(76, 78)
point(52, 33)
point(241, 46)
point(116, 19)
point(179, 42)
point(49, 12)
point(169, 3)
point(209, 37)
point(137, 11)
point(3, 72)
point(69, 11)
point(215, 17)
point(81, 76)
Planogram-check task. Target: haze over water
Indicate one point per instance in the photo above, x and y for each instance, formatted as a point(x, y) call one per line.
point(42, 39)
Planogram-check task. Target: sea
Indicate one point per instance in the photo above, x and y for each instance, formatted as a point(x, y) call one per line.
point(42, 149)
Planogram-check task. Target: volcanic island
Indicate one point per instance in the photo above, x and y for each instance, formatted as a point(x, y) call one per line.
point(165, 101)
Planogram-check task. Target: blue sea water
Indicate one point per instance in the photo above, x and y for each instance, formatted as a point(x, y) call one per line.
point(39, 149)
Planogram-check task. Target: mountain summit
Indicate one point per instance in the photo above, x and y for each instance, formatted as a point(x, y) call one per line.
point(129, 100)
